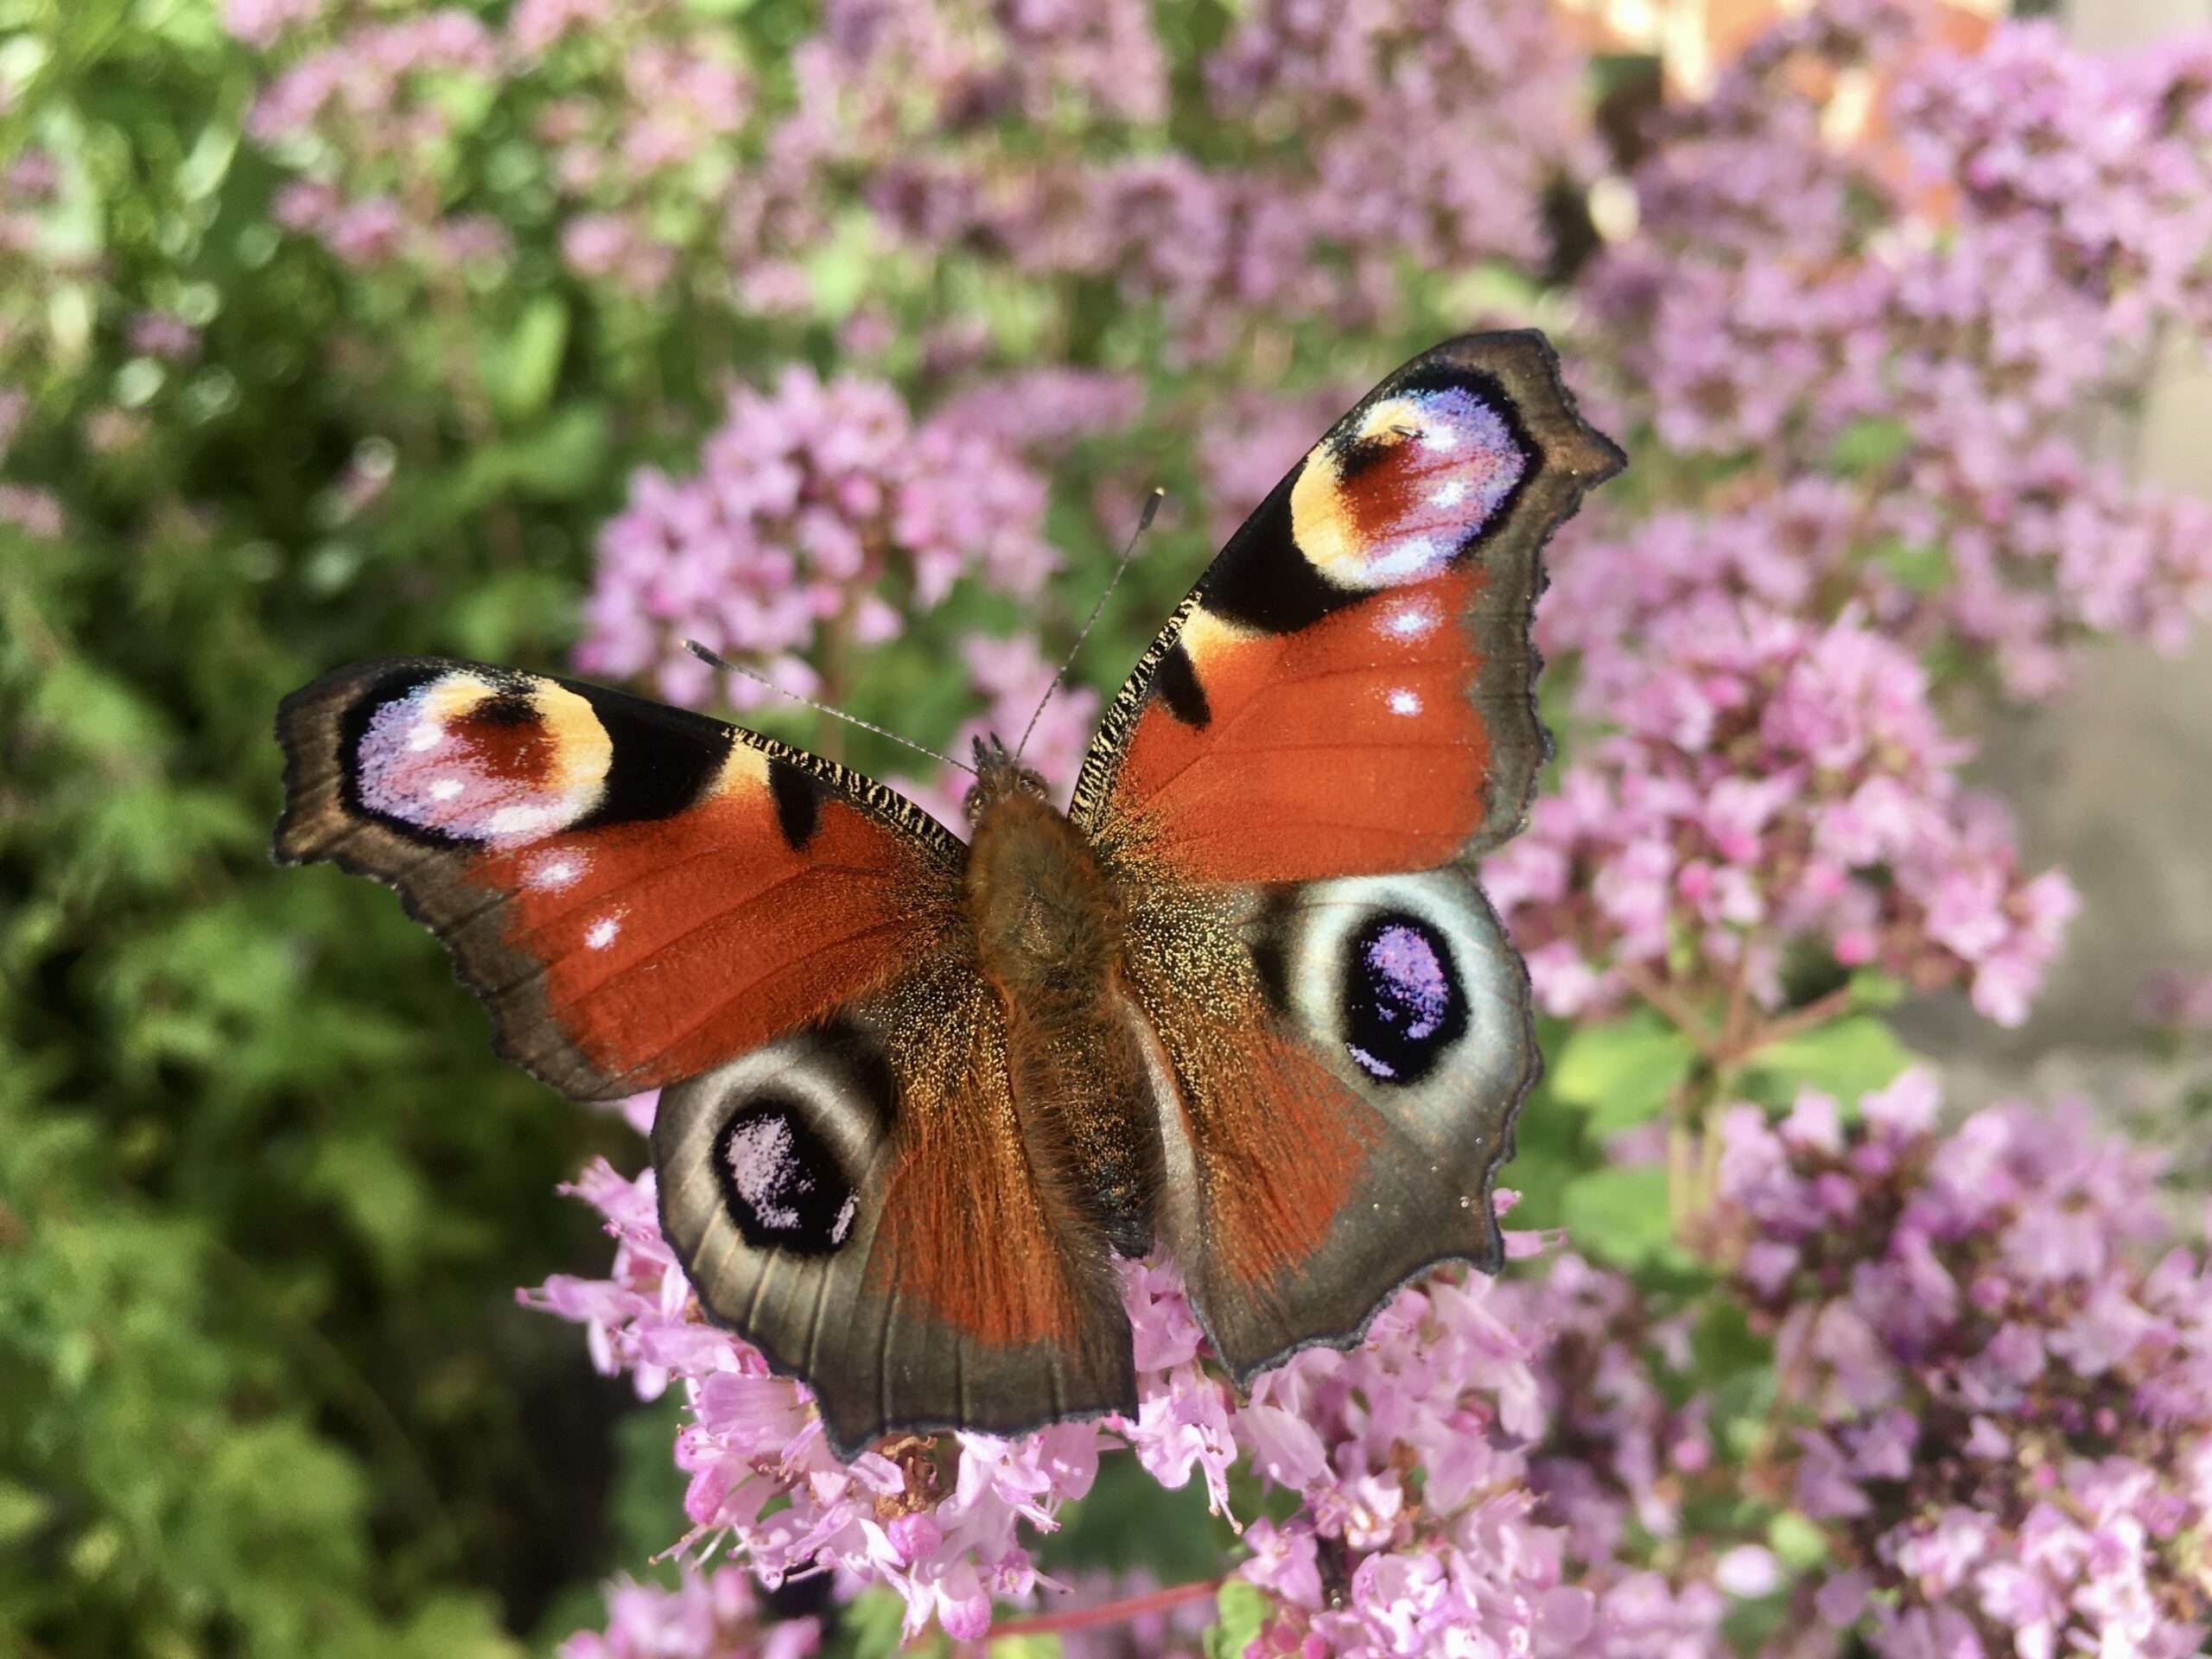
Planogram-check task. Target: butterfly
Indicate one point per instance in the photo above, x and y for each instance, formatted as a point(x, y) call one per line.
point(1244, 1000)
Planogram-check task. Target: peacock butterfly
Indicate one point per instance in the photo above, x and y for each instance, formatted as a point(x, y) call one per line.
point(1244, 1000)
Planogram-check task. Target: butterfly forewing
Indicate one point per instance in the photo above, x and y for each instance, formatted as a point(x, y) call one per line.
point(1348, 690)
point(635, 892)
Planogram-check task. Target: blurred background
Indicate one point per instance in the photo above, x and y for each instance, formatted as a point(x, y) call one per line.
point(846, 337)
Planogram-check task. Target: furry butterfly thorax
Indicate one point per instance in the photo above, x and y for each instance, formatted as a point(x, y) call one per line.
point(1243, 1000)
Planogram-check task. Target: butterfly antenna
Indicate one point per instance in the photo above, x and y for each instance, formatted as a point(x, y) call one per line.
point(715, 659)
point(1129, 555)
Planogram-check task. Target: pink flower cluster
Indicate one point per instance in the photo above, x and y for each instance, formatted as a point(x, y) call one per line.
point(709, 1614)
point(378, 107)
point(1603, 1366)
point(638, 107)
point(1309, 201)
point(1996, 1373)
point(1043, 412)
point(1416, 1528)
point(1495, 93)
point(940, 1521)
point(1768, 779)
point(1935, 296)
point(1419, 1529)
point(808, 499)
point(643, 156)
point(1025, 134)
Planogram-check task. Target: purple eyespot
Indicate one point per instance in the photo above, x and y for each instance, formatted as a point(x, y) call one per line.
point(1403, 1008)
point(780, 1180)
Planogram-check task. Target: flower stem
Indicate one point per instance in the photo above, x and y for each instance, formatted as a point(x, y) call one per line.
point(1679, 1010)
point(1818, 1012)
point(1111, 1612)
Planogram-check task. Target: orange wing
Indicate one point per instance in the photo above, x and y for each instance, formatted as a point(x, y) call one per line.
point(1348, 688)
point(646, 897)
point(636, 892)
point(1289, 789)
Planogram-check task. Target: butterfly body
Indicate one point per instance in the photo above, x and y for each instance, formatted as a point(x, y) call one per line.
point(1050, 932)
point(1244, 1002)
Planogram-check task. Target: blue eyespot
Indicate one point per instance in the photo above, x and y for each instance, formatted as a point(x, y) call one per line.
point(1404, 1008)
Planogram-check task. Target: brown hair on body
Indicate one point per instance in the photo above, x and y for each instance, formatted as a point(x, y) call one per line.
point(1050, 933)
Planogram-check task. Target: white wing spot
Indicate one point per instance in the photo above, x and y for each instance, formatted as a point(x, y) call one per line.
point(1441, 436)
point(1448, 495)
point(844, 1224)
point(1405, 702)
point(553, 874)
point(600, 933)
point(444, 789)
point(425, 734)
point(1408, 621)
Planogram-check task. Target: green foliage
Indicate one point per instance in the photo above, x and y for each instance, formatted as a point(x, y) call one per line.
point(1845, 1058)
point(1870, 445)
point(1240, 1611)
point(265, 1193)
point(1619, 1214)
point(1621, 1072)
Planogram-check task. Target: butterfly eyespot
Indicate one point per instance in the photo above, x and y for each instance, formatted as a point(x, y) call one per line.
point(1403, 1004)
point(787, 1131)
point(1408, 985)
point(1393, 500)
point(478, 757)
point(782, 1182)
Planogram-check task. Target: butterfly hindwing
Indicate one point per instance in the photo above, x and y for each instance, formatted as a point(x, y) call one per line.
point(635, 892)
point(1290, 786)
point(1345, 1077)
point(862, 1200)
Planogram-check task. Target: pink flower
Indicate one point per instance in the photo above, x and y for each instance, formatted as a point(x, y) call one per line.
point(807, 497)
point(714, 1615)
point(1774, 780)
point(2065, 1332)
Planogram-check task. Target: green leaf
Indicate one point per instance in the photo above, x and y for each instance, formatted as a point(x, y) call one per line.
point(22, 1512)
point(1872, 988)
point(1845, 1058)
point(1622, 1072)
point(1026, 1647)
point(521, 369)
point(1799, 1542)
point(1130, 1522)
point(1920, 566)
point(869, 1626)
point(97, 711)
point(1619, 1214)
point(557, 462)
point(1240, 1611)
point(1869, 445)
point(841, 273)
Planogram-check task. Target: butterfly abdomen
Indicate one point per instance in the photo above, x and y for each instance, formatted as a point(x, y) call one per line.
point(1049, 930)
